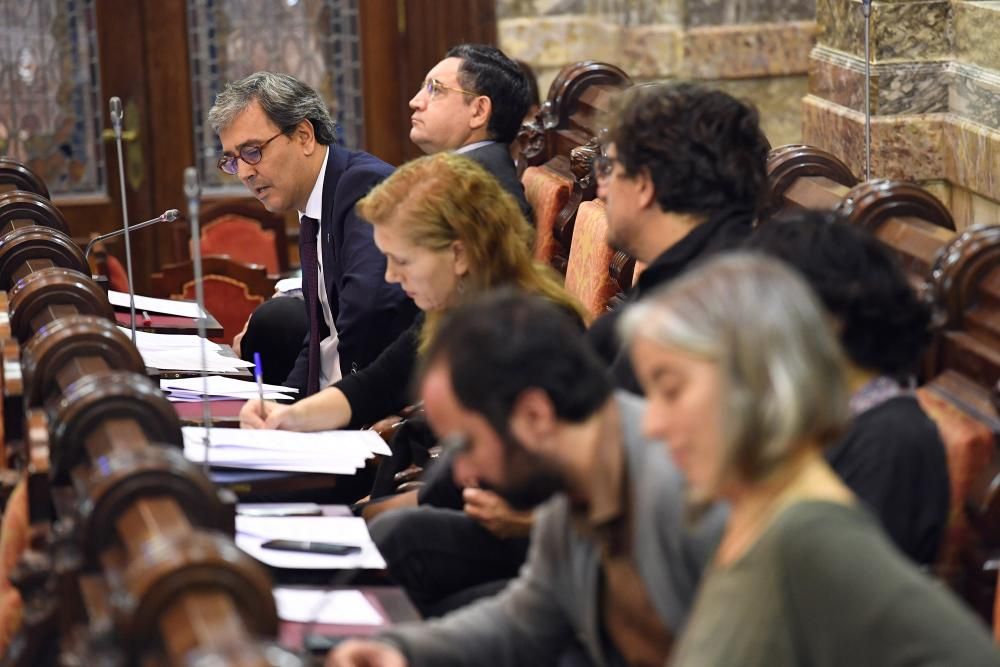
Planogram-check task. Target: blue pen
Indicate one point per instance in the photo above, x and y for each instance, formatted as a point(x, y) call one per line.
point(258, 372)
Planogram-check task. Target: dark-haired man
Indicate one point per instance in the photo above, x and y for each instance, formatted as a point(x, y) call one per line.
point(682, 175)
point(614, 563)
point(278, 138)
point(473, 102)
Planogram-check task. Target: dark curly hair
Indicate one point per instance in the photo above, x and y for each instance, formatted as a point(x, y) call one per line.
point(488, 71)
point(704, 149)
point(884, 325)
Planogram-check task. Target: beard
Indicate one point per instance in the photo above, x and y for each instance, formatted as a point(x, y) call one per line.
point(531, 479)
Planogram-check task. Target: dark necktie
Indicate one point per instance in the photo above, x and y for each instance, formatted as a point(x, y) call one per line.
point(308, 232)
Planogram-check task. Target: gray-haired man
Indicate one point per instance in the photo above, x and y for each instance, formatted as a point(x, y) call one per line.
point(278, 137)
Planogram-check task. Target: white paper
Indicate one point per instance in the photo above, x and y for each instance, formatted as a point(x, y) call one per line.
point(177, 396)
point(147, 340)
point(190, 360)
point(154, 305)
point(222, 386)
point(279, 509)
point(313, 442)
point(327, 452)
point(252, 531)
point(286, 285)
point(309, 605)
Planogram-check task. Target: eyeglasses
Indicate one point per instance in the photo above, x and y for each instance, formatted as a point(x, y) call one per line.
point(251, 154)
point(603, 165)
point(435, 88)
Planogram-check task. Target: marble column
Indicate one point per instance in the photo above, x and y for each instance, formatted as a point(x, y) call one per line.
point(755, 49)
point(935, 96)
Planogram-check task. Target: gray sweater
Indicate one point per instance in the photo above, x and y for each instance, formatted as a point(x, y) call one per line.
point(555, 597)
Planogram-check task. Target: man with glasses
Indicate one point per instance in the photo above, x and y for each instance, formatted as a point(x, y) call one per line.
point(278, 138)
point(473, 102)
point(615, 560)
point(683, 174)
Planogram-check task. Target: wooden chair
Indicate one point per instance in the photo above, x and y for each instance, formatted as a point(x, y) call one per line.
point(550, 193)
point(15, 175)
point(588, 275)
point(232, 290)
point(245, 231)
point(558, 148)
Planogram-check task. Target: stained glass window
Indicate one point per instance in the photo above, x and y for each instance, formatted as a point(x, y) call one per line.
point(49, 92)
point(316, 41)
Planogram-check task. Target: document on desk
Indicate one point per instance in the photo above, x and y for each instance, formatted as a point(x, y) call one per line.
point(253, 531)
point(220, 387)
point(190, 360)
point(329, 452)
point(154, 305)
point(312, 605)
point(146, 340)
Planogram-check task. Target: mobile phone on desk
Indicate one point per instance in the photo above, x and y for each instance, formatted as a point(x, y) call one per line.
point(326, 548)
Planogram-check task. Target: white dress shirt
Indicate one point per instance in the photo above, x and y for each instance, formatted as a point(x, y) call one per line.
point(329, 356)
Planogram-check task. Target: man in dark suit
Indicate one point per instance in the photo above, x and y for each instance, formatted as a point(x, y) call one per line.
point(278, 137)
point(473, 102)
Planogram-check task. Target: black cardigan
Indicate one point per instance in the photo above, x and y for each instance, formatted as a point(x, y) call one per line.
point(384, 387)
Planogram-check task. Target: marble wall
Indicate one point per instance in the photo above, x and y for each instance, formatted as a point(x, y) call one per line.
point(757, 49)
point(935, 96)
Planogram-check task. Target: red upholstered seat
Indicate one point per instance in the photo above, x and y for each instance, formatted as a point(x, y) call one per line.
point(548, 193)
point(587, 274)
point(969, 448)
point(232, 289)
point(243, 239)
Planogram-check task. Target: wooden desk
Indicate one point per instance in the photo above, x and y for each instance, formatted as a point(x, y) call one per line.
point(390, 601)
point(169, 324)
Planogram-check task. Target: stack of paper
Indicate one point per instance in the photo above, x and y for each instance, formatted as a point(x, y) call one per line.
point(182, 352)
point(221, 388)
point(329, 452)
point(252, 532)
point(152, 305)
point(310, 605)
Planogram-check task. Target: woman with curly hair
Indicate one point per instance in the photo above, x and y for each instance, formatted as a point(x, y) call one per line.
point(891, 455)
point(449, 231)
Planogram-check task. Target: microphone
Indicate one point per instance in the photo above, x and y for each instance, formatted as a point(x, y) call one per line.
point(116, 123)
point(167, 216)
point(866, 9)
point(192, 189)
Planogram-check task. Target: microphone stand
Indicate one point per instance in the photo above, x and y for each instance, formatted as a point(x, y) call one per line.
point(116, 123)
point(192, 188)
point(166, 216)
point(866, 8)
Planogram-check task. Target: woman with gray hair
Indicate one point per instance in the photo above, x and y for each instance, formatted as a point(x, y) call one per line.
point(746, 384)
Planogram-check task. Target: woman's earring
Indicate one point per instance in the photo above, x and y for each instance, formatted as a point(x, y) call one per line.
point(460, 287)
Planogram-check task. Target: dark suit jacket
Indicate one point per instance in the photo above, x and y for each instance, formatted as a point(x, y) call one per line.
point(369, 313)
point(496, 159)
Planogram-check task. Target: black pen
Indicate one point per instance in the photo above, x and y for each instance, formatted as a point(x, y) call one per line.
point(327, 548)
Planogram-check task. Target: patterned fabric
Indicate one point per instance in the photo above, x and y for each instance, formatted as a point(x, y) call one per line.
point(969, 447)
point(874, 393)
point(229, 301)
point(548, 193)
point(587, 274)
point(13, 542)
point(243, 239)
point(308, 237)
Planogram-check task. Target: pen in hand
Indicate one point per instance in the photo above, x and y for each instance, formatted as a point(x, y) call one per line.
point(258, 372)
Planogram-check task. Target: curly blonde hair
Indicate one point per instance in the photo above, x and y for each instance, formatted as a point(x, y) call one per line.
point(446, 197)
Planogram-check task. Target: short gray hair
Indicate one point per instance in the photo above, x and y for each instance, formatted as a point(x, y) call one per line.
point(286, 101)
point(782, 367)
